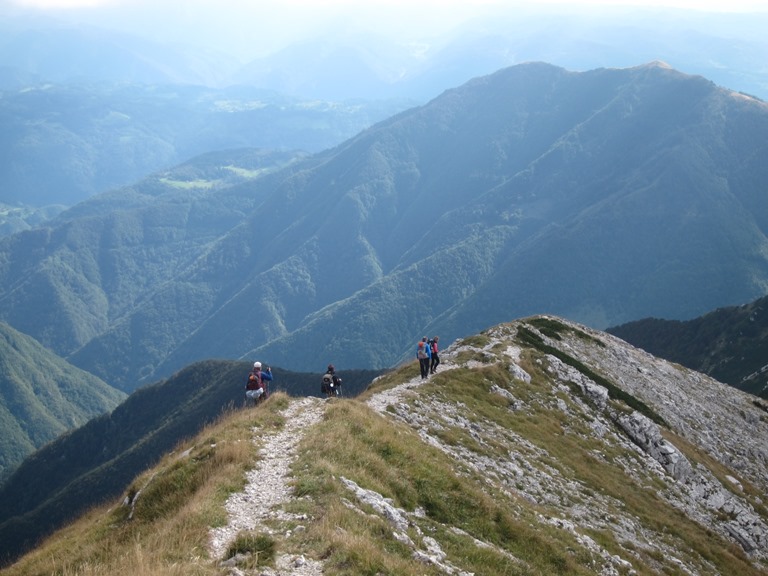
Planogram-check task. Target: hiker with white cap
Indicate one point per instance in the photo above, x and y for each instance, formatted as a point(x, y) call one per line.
point(256, 387)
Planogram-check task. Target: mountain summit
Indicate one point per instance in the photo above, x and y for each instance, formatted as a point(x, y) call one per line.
point(540, 447)
point(602, 196)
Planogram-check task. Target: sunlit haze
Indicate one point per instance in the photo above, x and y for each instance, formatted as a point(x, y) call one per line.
point(261, 26)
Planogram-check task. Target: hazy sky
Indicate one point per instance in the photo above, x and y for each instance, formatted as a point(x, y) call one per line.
point(249, 28)
point(699, 4)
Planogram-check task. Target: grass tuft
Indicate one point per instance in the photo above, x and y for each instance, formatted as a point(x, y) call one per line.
point(260, 548)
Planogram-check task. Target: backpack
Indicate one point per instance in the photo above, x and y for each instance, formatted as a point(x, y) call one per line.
point(422, 353)
point(325, 386)
point(254, 381)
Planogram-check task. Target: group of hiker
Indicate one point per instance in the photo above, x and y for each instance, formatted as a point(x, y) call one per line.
point(257, 390)
point(428, 354)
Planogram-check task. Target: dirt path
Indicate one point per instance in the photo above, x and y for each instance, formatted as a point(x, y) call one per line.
point(268, 487)
point(380, 401)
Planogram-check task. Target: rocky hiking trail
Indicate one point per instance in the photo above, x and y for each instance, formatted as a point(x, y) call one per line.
point(268, 485)
point(268, 488)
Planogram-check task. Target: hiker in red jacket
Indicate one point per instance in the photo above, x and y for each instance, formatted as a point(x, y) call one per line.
point(435, 356)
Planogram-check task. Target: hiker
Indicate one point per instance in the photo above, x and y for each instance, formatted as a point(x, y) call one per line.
point(331, 385)
point(256, 387)
point(424, 356)
point(435, 356)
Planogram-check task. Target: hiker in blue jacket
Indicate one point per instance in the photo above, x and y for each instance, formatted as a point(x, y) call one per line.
point(256, 386)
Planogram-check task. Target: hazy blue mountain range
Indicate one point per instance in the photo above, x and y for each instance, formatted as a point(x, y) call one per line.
point(63, 143)
point(98, 459)
point(726, 48)
point(729, 344)
point(45, 50)
point(603, 196)
point(42, 396)
point(344, 60)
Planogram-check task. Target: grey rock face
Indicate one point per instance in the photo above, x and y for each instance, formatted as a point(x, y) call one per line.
point(646, 434)
point(704, 421)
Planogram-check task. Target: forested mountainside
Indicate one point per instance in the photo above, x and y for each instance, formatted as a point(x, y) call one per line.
point(602, 196)
point(540, 446)
point(65, 142)
point(42, 396)
point(729, 344)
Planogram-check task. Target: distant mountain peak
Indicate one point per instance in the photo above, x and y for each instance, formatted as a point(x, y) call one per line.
point(656, 64)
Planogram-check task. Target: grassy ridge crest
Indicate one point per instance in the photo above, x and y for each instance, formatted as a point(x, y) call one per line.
point(477, 469)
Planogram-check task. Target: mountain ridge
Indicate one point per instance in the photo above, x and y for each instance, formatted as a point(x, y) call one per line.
point(527, 453)
point(65, 142)
point(350, 63)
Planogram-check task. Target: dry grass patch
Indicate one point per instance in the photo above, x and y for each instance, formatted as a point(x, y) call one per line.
point(163, 530)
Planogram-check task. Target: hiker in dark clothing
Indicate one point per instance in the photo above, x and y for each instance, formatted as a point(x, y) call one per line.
point(256, 387)
point(331, 385)
point(435, 356)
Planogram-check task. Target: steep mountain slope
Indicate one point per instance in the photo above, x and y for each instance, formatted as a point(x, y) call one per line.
point(98, 459)
point(729, 344)
point(540, 447)
point(601, 196)
point(42, 396)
